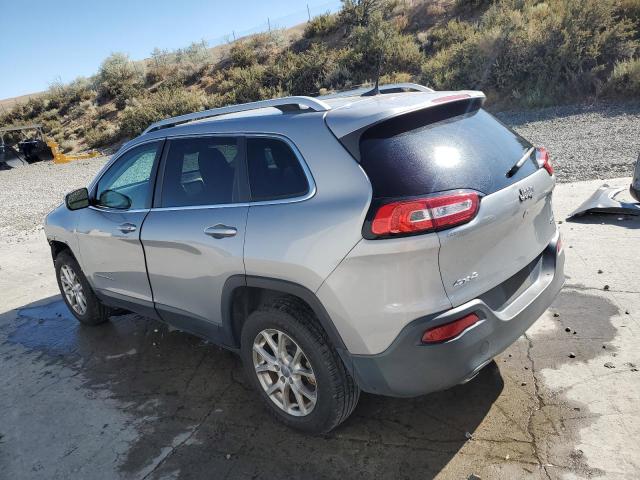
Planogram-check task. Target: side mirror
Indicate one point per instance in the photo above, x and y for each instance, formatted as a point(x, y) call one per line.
point(114, 199)
point(77, 199)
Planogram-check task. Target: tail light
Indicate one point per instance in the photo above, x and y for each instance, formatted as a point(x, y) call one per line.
point(451, 330)
point(425, 214)
point(542, 156)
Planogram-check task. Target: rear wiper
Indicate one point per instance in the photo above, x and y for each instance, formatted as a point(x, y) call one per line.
point(512, 171)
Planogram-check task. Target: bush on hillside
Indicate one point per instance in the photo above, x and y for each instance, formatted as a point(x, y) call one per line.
point(321, 26)
point(118, 78)
point(261, 48)
point(100, 135)
point(307, 72)
point(359, 13)
point(625, 79)
point(533, 52)
point(166, 102)
point(380, 41)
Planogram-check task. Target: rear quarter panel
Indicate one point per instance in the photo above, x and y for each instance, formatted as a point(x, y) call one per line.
point(303, 242)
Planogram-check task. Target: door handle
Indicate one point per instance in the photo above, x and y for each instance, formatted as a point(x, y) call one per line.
point(127, 228)
point(220, 231)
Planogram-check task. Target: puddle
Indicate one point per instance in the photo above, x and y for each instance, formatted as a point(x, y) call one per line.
point(49, 328)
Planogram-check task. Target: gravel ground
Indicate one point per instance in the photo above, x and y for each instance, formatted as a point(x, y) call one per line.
point(27, 194)
point(585, 142)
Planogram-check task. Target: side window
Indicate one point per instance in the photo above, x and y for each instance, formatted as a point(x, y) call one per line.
point(274, 170)
point(201, 171)
point(127, 183)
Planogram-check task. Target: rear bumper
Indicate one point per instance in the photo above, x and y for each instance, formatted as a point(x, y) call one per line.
point(409, 368)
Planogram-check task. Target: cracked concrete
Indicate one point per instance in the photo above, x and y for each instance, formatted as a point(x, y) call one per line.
point(131, 399)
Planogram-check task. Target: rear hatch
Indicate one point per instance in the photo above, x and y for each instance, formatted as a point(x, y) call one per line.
point(453, 149)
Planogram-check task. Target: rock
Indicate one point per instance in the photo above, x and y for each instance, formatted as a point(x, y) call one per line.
point(556, 314)
point(609, 365)
point(626, 312)
point(606, 287)
point(572, 355)
point(468, 436)
point(599, 271)
point(567, 329)
point(228, 456)
point(473, 476)
point(523, 384)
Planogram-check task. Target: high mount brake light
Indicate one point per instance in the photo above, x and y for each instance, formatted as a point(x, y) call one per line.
point(425, 214)
point(542, 156)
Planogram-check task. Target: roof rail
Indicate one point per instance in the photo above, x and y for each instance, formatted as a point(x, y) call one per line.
point(388, 88)
point(416, 87)
point(285, 104)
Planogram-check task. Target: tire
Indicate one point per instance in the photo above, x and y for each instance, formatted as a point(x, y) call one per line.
point(336, 393)
point(94, 312)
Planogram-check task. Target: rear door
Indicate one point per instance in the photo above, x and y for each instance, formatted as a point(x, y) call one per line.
point(194, 235)
point(456, 147)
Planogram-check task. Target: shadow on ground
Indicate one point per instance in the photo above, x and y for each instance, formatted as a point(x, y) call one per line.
point(630, 222)
point(196, 415)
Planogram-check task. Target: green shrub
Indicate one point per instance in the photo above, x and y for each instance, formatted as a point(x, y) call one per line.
point(380, 40)
point(533, 53)
point(104, 133)
point(118, 78)
point(304, 73)
point(166, 102)
point(358, 13)
point(625, 79)
point(321, 26)
point(242, 54)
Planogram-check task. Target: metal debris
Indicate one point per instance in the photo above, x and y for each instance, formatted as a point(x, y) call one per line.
point(604, 201)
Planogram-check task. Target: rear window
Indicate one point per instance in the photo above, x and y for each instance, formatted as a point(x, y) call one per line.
point(442, 148)
point(274, 170)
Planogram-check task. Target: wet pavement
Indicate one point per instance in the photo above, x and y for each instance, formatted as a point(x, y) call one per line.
point(131, 399)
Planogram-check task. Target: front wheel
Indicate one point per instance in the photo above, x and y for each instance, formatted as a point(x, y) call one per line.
point(77, 293)
point(298, 374)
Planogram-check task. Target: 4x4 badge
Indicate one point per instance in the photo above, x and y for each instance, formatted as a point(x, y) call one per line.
point(526, 193)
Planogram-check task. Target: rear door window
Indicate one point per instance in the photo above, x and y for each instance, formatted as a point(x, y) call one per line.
point(274, 170)
point(442, 148)
point(201, 171)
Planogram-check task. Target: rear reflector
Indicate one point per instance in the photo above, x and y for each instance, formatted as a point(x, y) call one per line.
point(449, 330)
point(542, 156)
point(425, 214)
point(559, 244)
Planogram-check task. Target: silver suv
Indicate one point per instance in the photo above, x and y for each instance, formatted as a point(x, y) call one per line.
point(392, 243)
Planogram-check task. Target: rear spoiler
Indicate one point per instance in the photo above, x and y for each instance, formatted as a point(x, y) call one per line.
point(438, 108)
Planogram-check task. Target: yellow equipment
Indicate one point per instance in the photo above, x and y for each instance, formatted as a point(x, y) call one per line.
point(33, 147)
point(59, 157)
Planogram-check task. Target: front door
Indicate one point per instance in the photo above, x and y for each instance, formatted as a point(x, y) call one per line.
point(109, 230)
point(194, 238)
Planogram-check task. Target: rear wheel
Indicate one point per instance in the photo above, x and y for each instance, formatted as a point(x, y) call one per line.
point(298, 374)
point(77, 293)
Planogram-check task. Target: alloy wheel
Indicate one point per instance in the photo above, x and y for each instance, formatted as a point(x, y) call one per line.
point(284, 372)
point(73, 289)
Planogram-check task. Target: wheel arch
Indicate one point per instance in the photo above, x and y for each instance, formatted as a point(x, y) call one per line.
point(57, 247)
point(242, 294)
